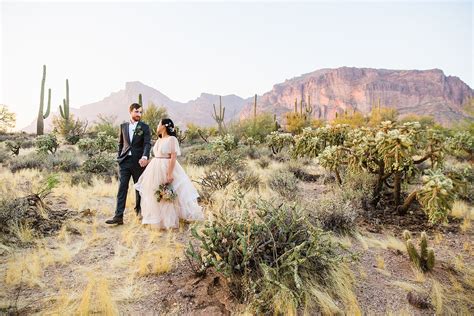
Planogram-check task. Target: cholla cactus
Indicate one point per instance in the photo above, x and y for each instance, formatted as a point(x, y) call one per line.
point(224, 143)
point(462, 142)
point(277, 141)
point(423, 260)
point(332, 158)
point(436, 196)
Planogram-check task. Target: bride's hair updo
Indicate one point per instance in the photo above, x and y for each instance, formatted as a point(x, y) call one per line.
point(169, 125)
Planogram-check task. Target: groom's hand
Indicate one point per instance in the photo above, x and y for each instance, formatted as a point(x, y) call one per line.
point(143, 162)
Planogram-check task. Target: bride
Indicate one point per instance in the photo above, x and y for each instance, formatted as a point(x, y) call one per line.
point(162, 169)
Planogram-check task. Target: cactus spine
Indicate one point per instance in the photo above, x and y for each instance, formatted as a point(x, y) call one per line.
point(65, 109)
point(425, 259)
point(41, 116)
point(219, 117)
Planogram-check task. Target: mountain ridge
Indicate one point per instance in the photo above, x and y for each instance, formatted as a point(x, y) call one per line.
point(332, 90)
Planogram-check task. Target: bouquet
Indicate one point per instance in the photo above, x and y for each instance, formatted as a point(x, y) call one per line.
point(165, 193)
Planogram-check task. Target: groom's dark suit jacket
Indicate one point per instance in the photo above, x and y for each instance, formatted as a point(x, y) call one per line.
point(140, 145)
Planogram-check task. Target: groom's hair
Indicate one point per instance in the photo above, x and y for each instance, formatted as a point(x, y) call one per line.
point(134, 106)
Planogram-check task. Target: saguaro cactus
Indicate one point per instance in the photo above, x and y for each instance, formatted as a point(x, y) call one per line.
point(425, 259)
point(296, 105)
point(255, 111)
point(65, 111)
point(308, 108)
point(140, 101)
point(219, 117)
point(41, 116)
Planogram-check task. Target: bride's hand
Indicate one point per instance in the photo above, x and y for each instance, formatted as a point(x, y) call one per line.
point(169, 179)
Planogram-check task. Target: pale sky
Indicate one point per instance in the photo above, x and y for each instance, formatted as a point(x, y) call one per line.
point(243, 48)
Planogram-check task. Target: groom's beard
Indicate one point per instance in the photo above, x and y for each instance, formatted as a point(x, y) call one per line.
point(136, 119)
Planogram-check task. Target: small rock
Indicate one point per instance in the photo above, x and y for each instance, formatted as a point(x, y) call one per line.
point(418, 300)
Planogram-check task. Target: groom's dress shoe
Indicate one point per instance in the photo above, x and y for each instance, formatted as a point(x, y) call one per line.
point(115, 220)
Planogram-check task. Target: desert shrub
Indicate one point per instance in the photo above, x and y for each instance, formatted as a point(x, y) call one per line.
point(152, 115)
point(263, 162)
point(103, 143)
point(248, 180)
point(228, 162)
point(200, 157)
point(107, 125)
point(72, 130)
point(24, 218)
point(257, 128)
point(4, 155)
point(297, 168)
point(192, 133)
point(100, 154)
point(357, 188)
point(295, 123)
point(47, 143)
point(425, 121)
point(216, 179)
point(335, 214)
point(30, 161)
point(284, 183)
point(28, 143)
point(64, 161)
point(354, 119)
point(99, 164)
point(249, 148)
point(14, 146)
point(380, 114)
point(270, 254)
point(81, 178)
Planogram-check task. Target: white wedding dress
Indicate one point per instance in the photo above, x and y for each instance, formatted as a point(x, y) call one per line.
point(185, 206)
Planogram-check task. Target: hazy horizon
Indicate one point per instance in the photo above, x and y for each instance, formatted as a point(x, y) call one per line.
point(185, 49)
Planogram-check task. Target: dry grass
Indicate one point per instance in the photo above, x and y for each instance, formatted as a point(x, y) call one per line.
point(437, 297)
point(24, 232)
point(462, 210)
point(21, 270)
point(158, 261)
point(97, 298)
point(419, 276)
point(389, 242)
point(380, 264)
point(408, 286)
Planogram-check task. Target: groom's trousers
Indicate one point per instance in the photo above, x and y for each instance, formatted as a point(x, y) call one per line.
point(129, 168)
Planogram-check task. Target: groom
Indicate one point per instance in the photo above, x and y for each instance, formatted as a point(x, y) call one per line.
point(133, 154)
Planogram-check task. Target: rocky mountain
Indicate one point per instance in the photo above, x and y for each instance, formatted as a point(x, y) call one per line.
point(196, 111)
point(331, 91)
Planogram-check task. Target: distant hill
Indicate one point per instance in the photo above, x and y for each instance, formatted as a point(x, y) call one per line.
point(423, 92)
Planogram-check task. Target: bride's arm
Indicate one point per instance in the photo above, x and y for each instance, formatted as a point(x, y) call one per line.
point(169, 175)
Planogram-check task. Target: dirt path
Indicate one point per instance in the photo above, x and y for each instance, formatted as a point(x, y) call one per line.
point(93, 267)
